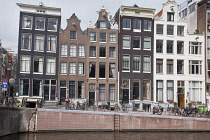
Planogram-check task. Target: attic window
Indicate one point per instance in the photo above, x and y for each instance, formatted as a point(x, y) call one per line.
point(40, 11)
point(137, 12)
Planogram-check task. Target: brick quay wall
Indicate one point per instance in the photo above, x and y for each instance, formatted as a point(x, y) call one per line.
point(73, 120)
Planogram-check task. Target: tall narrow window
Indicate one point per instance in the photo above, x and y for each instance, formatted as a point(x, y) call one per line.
point(195, 90)
point(92, 70)
point(51, 43)
point(136, 25)
point(159, 46)
point(126, 23)
point(37, 87)
point(147, 64)
point(51, 65)
point(24, 87)
point(102, 92)
point(180, 87)
point(170, 90)
point(170, 16)
point(73, 51)
point(170, 30)
point(159, 29)
point(180, 30)
point(170, 45)
point(136, 89)
point(112, 52)
point(39, 43)
point(25, 63)
point(92, 36)
point(126, 63)
point(136, 63)
point(111, 92)
point(147, 25)
point(72, 68)
point(170, 65)
point(146, 89)
point(180, 47)
point(27, 22)
point(102, 70)
point(102, 52)
point(81, 68)
point(147, 43)
point(81, 51)
point(112, 71)
point(26, 41)
point(136, 42)
point(92, 51)
point(112, 37)
point(40, 23)
point(102, 37)
point(81, 89)
point(38, 64)
point(159, 86)
point(63, 69)
point(71, 89)
point(52, 24)
point(64, 49)
point(180, 66)
point(126, 42)
point(159, 65)
point(73, 35)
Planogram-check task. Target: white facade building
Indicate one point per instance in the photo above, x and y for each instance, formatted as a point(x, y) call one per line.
point(179, 59)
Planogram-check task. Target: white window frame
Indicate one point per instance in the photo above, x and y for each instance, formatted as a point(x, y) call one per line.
point(146, 64)
point(81, 51)
point(41, 29)
point(25, 64)
point(39, 42)
point(64, 50)
point(63, 68)
point(73, 50)
point(72, 68)
point(51, 66)
point(29, 41)
point(23, 22)
point(55, 27)
point(51, 44)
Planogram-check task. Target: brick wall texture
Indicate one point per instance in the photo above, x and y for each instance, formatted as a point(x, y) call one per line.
point(95, 121)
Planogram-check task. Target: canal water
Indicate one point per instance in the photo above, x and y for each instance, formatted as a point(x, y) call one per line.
point(109, 136)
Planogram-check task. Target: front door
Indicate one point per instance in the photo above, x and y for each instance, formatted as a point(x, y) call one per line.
point(91, 98)
point(181, 100)
point(125, 96)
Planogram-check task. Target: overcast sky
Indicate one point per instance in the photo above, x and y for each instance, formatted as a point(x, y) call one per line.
point(84, 9)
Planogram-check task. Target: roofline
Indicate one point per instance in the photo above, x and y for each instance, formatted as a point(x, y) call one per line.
point(138, 8)
point(38, 6)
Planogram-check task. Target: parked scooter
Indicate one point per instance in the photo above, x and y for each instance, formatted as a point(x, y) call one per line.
point(158, 110)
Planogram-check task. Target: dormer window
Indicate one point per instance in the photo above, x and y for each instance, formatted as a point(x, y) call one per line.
point(170, 16)
point(73, 35)
point(102, 24)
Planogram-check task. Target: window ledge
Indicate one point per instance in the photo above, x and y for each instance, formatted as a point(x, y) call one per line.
point(25, 49)
point(136, 48)
point(63, 74)
point(72, 74)
point(136, 71)
point(51, 52)
point(125, 71)
point(39, 51)
point(146, 72)
point(126, 28)
point(40, 29)
point(93, 41)
point(37, 73)
point(64, 56)
point(147, 30)
point(52, 30)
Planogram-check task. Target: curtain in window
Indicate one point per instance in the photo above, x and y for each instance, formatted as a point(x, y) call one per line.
point(147, 43)
point(25, 63)
point(40, 68)
point(112, 72)
point(136, 63)
point(51, 43)
point(146, 66)
point(111, 92)
point(27, 22)
point(159, 90)
point(126, 63)
point(102, 92)
point(39, 43)
point(51, 65)
point(26, 41)
point(170, 90)
point(126, 41)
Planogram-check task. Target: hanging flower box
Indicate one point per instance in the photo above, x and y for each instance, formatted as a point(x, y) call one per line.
point(171, 101)
point(160, 101)
point(199, 102)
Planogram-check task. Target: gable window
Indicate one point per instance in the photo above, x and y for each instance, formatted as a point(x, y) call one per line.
point(72, 68)
point(146, 64)
point(38, 64)
point(92, 36)
point(112, 37)
point(170, 67)
point(73, 51)
point(159, 65)
point(147, 43)
point(64, 48)
point(39, 43)
point(81, 69)
point(180, 47)
point(159, 29)
point(126, 42)
point(92, 51)
point(92, 69)
point(195, 48)
point(63, 68)
point(73, 35)
point(147, 25)
point(180, 66)
point(27, 22)
point(52, 24)
point(102, 70)
point(51, 43)
point(170, 44)
point(51, 65)
point(136, 25)
point(40, 23)
point(25, 63)
point(126, 23)
point(102, 37)
point(102, 24)
point(170, 30)
point(26, 41)
point(159, 46)
point(136, 63)
point(102, 52)
point(126, 63)
point(170, 16)
point(112, 72)
point(180, 30)
point(81, 51)
point(112, 52)
point(136, 42)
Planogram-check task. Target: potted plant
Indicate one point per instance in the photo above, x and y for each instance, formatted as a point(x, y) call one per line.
point(190, 104)
point(171, 101)
point(199, 102)
point(175, 104)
